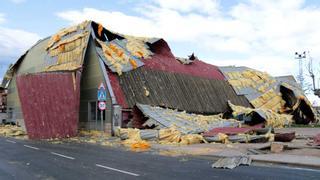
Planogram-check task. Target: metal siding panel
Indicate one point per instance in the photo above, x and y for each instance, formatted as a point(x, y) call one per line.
point(50, 104)
point(183, 92)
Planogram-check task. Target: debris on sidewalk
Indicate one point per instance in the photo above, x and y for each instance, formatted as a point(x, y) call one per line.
point(277, 147)
point(163, 136)
point(284, 137)
point(133, 139)
point(232, 162)
point(315, 141)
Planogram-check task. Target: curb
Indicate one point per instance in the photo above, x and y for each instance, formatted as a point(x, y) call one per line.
point(284, 163)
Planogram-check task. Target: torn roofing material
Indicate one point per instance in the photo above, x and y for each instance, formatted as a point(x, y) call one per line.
point(184, 122)
point(263, 91)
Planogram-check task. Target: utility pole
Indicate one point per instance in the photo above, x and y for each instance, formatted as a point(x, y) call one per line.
point(300, 56)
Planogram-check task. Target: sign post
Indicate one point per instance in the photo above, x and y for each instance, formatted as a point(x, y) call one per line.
point(102, 97)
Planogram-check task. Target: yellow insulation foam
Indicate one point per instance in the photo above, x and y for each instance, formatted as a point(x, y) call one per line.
point(273, 119)
point(169, 136)
point(117, 57)
point(137, 47)
point(65, 31)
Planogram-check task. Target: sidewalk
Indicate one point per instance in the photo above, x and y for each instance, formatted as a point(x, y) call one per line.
point(307, 161)
point(299, 154)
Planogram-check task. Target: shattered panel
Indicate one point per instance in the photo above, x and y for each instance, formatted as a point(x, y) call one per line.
point(116, 57)
point(65, 50)
point(184, 122)
point(281, 94)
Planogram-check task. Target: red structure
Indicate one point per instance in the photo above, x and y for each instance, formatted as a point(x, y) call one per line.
point(50, 104)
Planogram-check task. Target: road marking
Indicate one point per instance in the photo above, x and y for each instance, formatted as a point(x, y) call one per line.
point(301, 169)
point(31, 147)
point(118, 170)
point(11, 141)
point(61, 155)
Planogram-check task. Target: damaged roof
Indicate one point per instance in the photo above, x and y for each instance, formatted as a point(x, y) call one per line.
point(281, 95)
point(141, 70)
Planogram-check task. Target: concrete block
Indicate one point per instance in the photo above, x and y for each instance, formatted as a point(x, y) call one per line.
point(277, 147)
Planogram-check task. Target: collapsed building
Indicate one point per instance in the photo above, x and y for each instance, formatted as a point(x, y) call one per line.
point(52, 88)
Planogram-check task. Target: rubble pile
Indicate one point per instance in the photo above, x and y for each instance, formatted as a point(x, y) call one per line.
point(132, 139)
point(240, 125)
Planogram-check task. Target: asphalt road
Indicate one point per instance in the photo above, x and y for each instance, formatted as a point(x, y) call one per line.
point(25, 159)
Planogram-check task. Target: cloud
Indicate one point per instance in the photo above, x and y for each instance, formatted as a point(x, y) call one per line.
point(2, 18)
point(200, 6)
point(13, 42)
point(259, 34)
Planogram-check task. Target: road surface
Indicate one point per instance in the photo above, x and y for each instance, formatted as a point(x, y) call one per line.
point(25, 159)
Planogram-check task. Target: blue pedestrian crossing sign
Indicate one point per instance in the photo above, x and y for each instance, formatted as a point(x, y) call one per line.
point(102, 94)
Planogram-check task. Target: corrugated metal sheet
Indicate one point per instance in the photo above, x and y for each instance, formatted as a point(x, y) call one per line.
point(50, 104)
point(184, 122)
point(291, 83)
point(232, 130)
point(178, 91)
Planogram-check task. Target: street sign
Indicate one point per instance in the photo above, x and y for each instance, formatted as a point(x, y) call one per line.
point(101, 86)
point(102, 95)
point(102, 105)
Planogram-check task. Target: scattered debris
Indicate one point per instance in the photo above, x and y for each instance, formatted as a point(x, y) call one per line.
point(277, 147)
point(233, 130)
point(280, 95)
point(232, 162)
point(11, 130)
point(315, 141)
point(132, 139)
point(271, 118)
point(284, 137)
point(184, 122)
point(191, 139)
point(169, 135)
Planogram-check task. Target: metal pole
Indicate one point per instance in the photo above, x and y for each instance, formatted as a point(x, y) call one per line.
point(96, 112)
point(101, 112)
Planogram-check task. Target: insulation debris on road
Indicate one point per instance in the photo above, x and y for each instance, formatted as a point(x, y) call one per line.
point(11, 130)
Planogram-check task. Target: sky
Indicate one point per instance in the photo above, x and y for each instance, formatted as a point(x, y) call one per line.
point(261, 34)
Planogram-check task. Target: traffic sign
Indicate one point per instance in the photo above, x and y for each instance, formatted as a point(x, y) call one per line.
point(102, 95)
point(102, 105)
point(101, 86)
